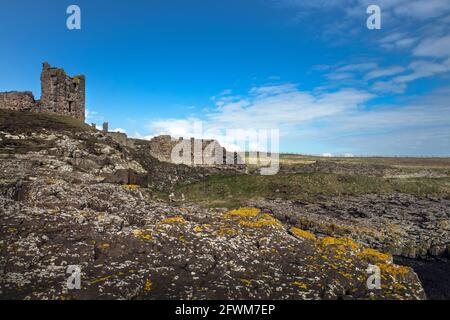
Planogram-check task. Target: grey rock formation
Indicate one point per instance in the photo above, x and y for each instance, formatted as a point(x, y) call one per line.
point(69, 197)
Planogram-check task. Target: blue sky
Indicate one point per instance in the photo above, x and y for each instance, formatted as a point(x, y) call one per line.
point(311, 69)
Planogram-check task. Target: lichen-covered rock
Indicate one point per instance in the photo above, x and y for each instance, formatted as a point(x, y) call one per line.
point(129, 247)
point(57, 210)
point(400, 224)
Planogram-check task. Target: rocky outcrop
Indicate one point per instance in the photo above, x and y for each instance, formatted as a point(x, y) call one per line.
point(361, 169)
point(58, 209)
point(129, 247)
point(401, 224)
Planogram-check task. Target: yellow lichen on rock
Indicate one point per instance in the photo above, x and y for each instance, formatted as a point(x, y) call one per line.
point(341, 243)
point(226, 231)
point(246, 281)
point(374, 256)
point(131, 186)
point(173, 220)
point(12, 230)
point(242, 213)
point(100, 280)
point(299, 284)
point(143, 234)
point(148, 285)
point(393, 270)
point(265, 221)
point(299, 233)
point(198, 229)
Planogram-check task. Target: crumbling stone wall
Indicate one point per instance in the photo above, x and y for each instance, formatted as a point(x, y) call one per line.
point(19, 101)
point(62, 94)
point(161, 147)
point(121, 138)
point(202, 152)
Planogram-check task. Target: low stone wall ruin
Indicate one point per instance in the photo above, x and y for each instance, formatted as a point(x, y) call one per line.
point(18, 101)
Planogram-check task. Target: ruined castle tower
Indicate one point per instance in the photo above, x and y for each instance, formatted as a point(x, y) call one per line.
point(62, 94)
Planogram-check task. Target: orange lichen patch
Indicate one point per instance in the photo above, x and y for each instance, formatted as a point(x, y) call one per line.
point(174, 220)
point(100, 280)
point(341, 243)
point(198, 229)
point(242, 213)
point(346, 275)
point(246, 281)
point(143, 234)
point(131, 186)
point(226, 231)
point(299, 233)
point(299, 284)
point(398, 287)
point(374, 256)
point(148, 285)
point(393, 270)
point(265, 221)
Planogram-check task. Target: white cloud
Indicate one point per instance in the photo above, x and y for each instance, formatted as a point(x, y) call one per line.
point(434, 47)
point(174, 127)
point(422, 69)
point(119, 130)
point(336, 122)
point(416, 70)
point(92, 116)
point(284, 107)
point(390, 71)
point(358, 67)
point(416, 9)
point(422, 9)
point(415, 128)
point(339, 76)
point(137, 135)
point(397, 41)
point(388, 87)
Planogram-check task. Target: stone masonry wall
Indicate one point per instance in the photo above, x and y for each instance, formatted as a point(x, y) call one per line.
point(19, 101)
point(212, 153)
point(62, 94)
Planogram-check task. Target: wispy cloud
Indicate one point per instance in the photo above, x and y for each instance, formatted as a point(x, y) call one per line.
point(433, 47)
point(339, 119)
point(385, 72)
point(341, 112)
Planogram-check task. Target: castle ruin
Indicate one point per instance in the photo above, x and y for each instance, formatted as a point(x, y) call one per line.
point(60, 95)
point(65, 95)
